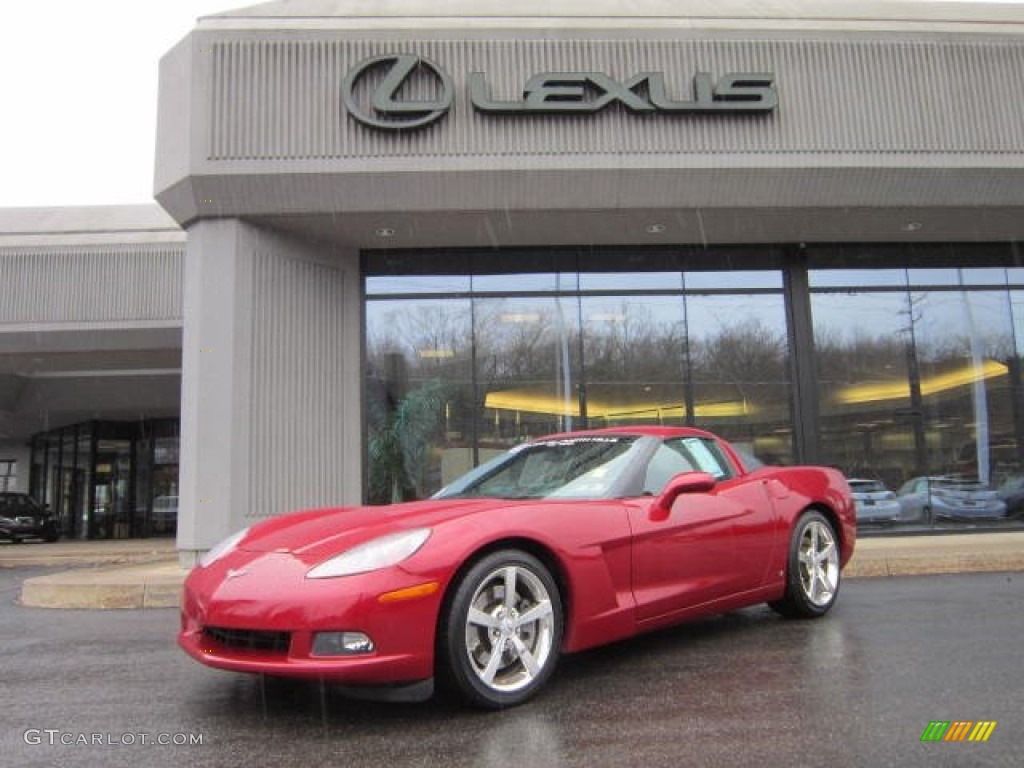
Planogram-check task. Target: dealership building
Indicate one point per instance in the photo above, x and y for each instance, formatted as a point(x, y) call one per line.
point(395, 238)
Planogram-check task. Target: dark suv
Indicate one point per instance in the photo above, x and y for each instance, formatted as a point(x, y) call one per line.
point(22, 517)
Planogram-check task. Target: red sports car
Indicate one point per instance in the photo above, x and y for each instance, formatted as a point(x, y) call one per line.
point(561, 544)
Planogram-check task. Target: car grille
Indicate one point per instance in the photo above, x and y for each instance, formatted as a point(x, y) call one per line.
point(249, 639)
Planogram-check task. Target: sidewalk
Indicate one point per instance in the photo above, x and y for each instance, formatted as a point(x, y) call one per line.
point(145, 573)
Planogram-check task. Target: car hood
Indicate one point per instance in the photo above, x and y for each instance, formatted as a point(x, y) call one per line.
point(313, 534)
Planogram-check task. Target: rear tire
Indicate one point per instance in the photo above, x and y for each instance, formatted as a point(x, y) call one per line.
point(501, 632)
point(812, 575)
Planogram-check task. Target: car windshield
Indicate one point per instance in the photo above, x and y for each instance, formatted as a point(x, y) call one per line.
point(563, 468)
point(866, 486)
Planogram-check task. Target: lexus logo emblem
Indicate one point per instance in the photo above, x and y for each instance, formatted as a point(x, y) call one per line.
point(376, 92)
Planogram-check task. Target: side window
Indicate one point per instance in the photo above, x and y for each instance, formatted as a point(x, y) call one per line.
point(665, 464)
point(705, 456)
point(685, 454)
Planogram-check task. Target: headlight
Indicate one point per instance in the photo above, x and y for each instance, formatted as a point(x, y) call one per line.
point(222, 548)
point(373, 555)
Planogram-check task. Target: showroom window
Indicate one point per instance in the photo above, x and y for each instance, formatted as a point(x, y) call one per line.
point(461, 367)
point(900, 365)
point(919, 390)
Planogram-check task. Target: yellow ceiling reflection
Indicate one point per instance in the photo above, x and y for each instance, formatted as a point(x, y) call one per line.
point(930, 385)
point(531, 401)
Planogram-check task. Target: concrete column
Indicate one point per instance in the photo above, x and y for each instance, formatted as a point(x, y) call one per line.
point(271, 413)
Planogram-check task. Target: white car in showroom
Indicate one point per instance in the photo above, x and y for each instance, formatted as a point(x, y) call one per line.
point(949, 498)
point(875, 503)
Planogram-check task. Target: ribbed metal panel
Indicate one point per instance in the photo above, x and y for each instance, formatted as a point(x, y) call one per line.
point(91, 284)
point(280, 99)
point(297, 384)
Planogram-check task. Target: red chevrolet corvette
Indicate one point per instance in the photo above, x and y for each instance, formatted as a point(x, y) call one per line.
point(561, 544)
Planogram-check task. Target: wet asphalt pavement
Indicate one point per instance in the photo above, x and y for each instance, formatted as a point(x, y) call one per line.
point(857, 688)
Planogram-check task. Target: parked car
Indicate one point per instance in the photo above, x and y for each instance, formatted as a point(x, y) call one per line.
point(875, 503)
point(22, 517)
point(565, 543)
point(1012, 493)
point(949, 498)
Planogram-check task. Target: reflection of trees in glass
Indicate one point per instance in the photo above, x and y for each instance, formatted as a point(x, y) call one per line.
point(859, 358)
point(630, 344)
point(744, 352)
point(956, 325)
point(422, 330)
point(516, 341)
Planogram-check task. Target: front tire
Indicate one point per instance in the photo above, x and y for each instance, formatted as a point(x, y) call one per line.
point(813, 574)
point(502, 632)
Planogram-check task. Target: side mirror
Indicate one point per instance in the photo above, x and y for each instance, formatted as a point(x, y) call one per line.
point(686, 482)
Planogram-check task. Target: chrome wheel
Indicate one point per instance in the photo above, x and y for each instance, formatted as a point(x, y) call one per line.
point(818, 563)
point(509, 629)
point(812, 574)
point(502, 632)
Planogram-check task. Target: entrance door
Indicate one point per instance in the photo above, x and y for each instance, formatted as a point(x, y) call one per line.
point(69, 500)
point(112, 495)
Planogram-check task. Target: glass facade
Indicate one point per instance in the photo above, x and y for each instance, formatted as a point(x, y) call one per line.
point(919, 388)
point(109, 480)
point(913, 353)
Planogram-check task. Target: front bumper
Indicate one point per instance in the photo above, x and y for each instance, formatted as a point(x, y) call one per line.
point(258, 613)
point(30, 529)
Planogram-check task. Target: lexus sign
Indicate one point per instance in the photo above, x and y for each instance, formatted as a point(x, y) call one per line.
point(404, 91)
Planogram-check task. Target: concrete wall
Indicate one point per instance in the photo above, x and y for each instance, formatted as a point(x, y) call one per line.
point(866, 119)
point(271, 385)
point(90, 316)
point(90, 284)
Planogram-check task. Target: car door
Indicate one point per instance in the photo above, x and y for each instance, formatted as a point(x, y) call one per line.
point(709, 546)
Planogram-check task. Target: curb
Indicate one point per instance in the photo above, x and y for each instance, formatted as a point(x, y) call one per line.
point(85, 553)
point(132, 587)
point(159, 585)
point(909, 565)
point(134, 576)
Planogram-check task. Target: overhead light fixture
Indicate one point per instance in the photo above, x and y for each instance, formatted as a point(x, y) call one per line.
point(606, 317)
point(436, 354)
point(655, 229)
point(520, 317)
point(912, 226)
point(384, 232)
